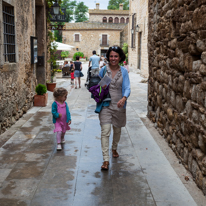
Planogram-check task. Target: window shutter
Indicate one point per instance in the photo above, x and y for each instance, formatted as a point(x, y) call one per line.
point(76, 37)
point(104, 39)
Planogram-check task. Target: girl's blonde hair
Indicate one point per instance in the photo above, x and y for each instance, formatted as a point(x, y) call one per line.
point(59, 91)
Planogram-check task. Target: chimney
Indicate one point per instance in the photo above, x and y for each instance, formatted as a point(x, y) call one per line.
point(97, 5)
point(120, 6)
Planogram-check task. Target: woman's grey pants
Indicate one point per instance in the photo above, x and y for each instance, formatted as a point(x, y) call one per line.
point(105, 133)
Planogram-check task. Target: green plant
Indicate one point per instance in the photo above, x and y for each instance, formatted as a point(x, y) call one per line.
point(80, 54)
point(64, 54)
point(40, 89)
point(125, 50)
point(57, 70)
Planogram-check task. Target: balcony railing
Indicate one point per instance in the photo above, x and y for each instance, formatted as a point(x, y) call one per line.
point(104, 45)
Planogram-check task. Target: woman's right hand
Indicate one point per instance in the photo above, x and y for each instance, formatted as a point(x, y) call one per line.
point(60, 115)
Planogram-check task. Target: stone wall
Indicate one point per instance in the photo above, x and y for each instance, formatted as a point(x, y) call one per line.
point(138, 60)
point(18, 79)
point(90, 40)
point(177, 74)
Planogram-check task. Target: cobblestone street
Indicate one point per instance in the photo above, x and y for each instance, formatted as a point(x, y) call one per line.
point(33, 173)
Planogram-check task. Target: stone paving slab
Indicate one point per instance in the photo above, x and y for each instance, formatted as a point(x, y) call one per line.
point(33, 173)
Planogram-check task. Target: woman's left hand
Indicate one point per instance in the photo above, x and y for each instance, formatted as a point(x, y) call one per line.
point(121, 102)
point(69, 122)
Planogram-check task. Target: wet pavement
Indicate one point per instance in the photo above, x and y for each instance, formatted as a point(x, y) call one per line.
point(33, 173)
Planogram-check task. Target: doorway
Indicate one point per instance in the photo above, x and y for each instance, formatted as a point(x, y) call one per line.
point(104, 52)
point(139, 49)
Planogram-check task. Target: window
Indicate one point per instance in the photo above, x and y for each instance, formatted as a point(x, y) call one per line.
point(116, 20)
point(104, 20)
point(9, 33)
point(110, 20)
point(76, 37)
point(104, 39)
point(122, 20)
point(127, 20)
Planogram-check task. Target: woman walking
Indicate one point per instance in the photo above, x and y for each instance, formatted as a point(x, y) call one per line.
point(115, 113)
point(77, 70)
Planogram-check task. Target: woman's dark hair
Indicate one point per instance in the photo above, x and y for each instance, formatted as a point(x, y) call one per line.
point(118, 50)
point(77, 57)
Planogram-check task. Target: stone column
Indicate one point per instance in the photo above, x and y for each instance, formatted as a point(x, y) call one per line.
point(41, 35)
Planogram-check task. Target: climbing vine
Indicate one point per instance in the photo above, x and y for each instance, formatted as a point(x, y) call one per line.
point(51, 45)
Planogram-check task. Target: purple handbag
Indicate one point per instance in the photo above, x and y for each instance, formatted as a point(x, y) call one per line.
point(99, 93)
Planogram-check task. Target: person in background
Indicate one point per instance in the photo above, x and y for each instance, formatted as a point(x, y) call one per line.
point(101, 63)
point(66, 64)
point(126, 66)
point(72, 76)
point(61, 115)
point(77, 70)
point(71, 65)
point(95, 60)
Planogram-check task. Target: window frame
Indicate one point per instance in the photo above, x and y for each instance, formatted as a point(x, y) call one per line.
point(122, 18)
point(116, 18)
point(103, 43)
point(75, 37)
point(103, 19)
point(110, 18)
point(9, 33)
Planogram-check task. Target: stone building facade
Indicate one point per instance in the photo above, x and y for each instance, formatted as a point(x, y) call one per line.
point(99, 33)
point(19, 21)
point(177, 74)
point(109, 16)
point(91, 37)
point(138, 39)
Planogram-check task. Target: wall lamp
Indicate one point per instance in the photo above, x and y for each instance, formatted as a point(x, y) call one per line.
point(137, 28)
point(56, 8)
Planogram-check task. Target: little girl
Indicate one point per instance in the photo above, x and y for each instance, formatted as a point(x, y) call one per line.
point(126, 66)
point(61, 115)
point(72, 76)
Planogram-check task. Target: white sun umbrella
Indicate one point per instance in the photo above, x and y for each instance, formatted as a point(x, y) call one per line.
point(61, 46)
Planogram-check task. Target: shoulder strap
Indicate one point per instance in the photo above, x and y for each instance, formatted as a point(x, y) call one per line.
point(105, 70)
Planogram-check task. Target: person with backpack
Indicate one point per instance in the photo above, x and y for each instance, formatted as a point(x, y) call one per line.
point(114, 114)
point(95, 60)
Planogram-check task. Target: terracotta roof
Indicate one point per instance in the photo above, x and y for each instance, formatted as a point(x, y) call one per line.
point(115, 12)
point(94, 25)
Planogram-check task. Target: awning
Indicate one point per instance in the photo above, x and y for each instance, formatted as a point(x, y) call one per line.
point(64, 47)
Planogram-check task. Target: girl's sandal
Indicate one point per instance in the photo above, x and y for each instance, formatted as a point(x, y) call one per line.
point(105, 165)
point(115, 153)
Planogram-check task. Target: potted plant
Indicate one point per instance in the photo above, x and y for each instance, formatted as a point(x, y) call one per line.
point(41, 96)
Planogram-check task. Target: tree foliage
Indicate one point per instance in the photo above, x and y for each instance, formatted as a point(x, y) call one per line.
point(114, 4)
point(80, 13)
point(125, 50)
point(80, 54)
point(64, 54)
point(69, 6)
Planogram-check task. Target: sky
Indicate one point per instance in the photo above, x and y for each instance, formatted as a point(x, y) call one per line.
point(92, 3)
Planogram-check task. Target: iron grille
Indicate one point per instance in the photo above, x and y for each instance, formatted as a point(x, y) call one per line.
point(9, 33)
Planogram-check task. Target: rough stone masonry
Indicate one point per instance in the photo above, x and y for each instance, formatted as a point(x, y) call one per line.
point(177, 79)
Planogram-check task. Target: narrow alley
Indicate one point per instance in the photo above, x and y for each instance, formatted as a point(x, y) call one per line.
point(33, 173)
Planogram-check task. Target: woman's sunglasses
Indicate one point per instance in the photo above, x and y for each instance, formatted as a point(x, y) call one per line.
point(113, 47)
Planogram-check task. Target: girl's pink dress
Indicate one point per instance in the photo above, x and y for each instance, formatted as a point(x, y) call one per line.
point(61, 124)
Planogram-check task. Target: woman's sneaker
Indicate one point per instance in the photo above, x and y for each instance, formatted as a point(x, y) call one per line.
point(59, 147)
point(63, 141)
